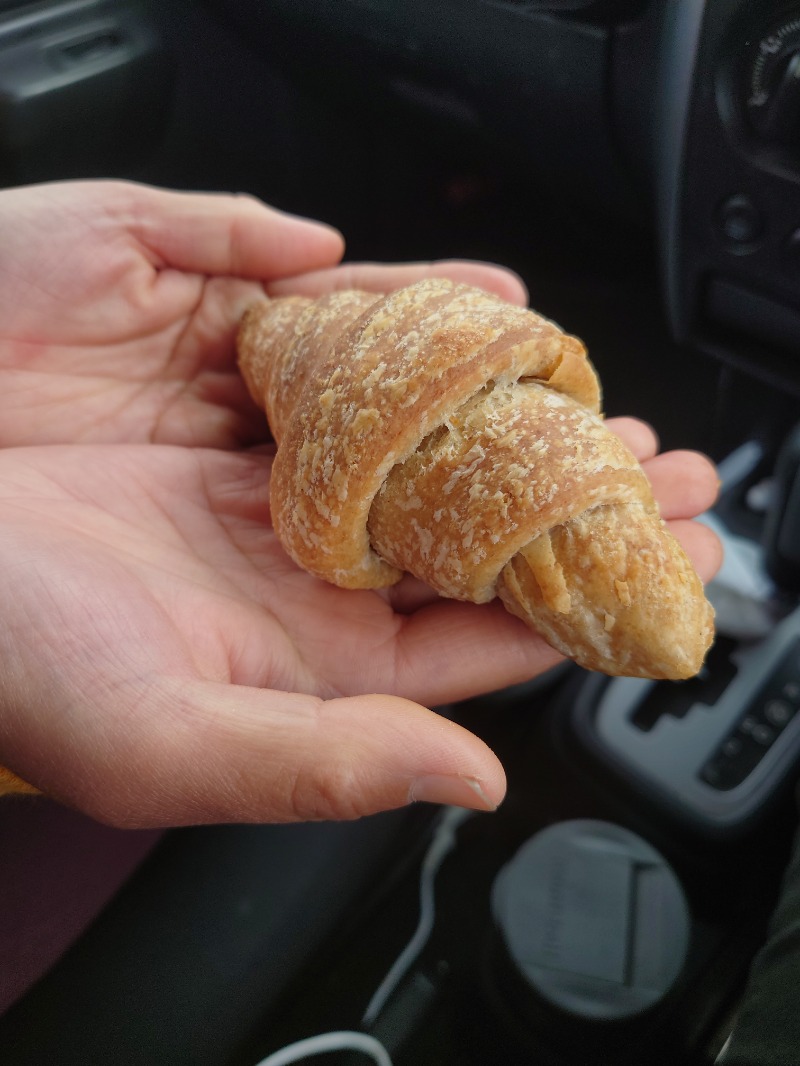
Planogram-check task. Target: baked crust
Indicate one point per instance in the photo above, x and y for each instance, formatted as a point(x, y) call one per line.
point(443, 432)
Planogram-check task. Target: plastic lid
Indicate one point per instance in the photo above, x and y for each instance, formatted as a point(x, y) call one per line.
point(593, 918)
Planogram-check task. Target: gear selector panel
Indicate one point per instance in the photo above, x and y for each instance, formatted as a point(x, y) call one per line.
point(719, 762)
point(762, 724)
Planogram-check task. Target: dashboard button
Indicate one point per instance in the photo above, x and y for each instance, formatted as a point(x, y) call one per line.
point(778, 712)
point(762, 734)
point(740, 221)
point(712, 775)
point(731, 747)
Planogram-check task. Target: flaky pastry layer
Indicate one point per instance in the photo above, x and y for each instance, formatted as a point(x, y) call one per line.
point(443, 432)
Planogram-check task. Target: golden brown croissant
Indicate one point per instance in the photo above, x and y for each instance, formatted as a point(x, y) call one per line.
point(441, 431)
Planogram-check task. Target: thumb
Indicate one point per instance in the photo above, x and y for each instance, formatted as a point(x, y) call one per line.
point(226, 753)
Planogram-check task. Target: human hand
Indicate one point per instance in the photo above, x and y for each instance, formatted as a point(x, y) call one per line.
point(119, 305)
point(165, 663)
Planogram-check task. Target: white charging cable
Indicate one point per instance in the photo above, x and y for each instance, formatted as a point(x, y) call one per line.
point(443, 842)
point(325, 1042)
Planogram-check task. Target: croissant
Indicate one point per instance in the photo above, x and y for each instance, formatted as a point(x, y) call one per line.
point(443, 432)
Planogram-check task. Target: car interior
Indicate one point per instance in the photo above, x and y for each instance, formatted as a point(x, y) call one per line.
point(637, 162)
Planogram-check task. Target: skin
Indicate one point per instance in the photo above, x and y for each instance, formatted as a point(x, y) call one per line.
point(162, 661)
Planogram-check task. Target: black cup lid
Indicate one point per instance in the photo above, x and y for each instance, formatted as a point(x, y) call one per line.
point(593, 918)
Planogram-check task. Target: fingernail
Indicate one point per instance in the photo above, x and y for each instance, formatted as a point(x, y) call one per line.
point(451, 791)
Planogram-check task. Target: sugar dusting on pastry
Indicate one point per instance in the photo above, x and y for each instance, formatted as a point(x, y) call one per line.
point(443, 432)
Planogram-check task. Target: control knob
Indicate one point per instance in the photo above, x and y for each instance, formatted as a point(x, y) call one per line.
point(773, 84)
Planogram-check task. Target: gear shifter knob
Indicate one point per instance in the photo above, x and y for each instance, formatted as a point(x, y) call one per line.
point(782, 530)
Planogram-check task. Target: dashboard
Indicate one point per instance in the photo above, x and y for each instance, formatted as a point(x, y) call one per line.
point(684, 115)
point(731, 206)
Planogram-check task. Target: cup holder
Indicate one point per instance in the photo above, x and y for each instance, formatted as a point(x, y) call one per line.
point(591, 933)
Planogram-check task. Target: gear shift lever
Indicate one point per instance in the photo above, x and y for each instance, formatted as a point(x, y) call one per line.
point(782, 530)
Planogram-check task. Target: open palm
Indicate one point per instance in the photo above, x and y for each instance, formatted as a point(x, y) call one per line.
point(148, 606)
point(165, 662)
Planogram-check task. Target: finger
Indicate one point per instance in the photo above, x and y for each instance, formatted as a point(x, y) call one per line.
point(237, 236)
point(640, 437)
point(375, 277)
point(451, 651)
point(701, 544)
point(684, 483)
point(409, 594)
point(215, 752)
